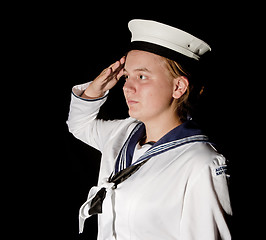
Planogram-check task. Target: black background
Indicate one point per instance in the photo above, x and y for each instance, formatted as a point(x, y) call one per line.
point(55, 47)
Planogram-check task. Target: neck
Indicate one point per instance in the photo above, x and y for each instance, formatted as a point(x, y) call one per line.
point(156, 129)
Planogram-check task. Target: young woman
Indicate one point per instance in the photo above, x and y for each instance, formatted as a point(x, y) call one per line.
point(159, 177)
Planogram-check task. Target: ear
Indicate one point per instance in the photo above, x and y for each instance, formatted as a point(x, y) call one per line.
point(180, 86)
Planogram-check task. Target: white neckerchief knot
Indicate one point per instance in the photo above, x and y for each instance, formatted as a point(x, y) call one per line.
point(107, 185)
point(84, 209)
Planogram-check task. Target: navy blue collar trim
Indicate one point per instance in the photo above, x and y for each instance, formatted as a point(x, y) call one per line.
point(185, 133)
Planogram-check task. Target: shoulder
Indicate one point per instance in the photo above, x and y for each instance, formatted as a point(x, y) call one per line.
point(123, 126)
point(117, 132)
point(209, 173)
point(203, 157)
point(205, 153)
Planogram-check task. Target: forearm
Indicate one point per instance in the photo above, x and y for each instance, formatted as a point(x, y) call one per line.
point(82, 114)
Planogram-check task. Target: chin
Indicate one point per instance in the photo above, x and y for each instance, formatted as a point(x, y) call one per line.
point(134, 115)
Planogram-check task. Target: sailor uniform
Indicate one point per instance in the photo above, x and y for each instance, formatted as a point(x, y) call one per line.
point(179, 192)
point(174, 189)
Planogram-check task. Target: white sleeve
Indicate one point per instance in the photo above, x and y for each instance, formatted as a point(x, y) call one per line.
point(82, 122)
point(206, 204)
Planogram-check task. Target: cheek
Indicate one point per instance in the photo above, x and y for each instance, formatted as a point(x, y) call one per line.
point(160, 96)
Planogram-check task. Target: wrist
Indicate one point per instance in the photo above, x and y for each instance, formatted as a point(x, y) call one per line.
point(92, 93)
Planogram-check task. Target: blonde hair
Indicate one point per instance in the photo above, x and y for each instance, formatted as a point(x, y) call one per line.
point(176, 70)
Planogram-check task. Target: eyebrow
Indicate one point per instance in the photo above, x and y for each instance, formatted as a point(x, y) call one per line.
point(140, 70)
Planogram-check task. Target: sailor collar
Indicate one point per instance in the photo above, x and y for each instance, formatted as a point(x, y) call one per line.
point(185, 133)
point(100, 197)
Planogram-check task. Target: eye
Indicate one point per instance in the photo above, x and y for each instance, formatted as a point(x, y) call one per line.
point(142, 77)
point(125, 76)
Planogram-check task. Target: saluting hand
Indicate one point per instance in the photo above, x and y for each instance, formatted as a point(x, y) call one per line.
point(105, 81)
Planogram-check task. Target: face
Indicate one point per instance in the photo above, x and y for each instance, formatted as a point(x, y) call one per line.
point(148, 88)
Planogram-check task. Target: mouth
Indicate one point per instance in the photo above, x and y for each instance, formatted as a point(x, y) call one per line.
point(131, 102)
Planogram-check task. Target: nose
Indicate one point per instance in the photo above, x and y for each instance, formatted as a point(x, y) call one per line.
point(129, 86)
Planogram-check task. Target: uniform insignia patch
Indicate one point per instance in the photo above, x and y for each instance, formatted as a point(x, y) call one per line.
point(220, 170)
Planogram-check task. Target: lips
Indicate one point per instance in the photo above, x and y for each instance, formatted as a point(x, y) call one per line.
point(131, 102)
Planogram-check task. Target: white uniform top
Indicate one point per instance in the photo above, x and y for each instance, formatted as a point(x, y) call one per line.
point(139, 151)
point(180, 194)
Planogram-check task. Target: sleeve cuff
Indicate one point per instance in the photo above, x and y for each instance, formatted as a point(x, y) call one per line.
point(79, 89)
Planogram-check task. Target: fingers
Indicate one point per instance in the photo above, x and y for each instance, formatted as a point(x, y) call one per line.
point(123, 60)
point(108, 71)
point(116, 69)
point(118, 65)
point(121, 72)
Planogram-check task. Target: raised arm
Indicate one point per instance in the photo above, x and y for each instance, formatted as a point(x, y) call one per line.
point(85, 104)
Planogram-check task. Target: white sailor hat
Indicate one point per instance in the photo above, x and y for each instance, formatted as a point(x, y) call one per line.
point(165, 40)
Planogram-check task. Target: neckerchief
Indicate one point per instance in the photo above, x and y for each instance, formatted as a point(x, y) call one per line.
point(185, 133)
